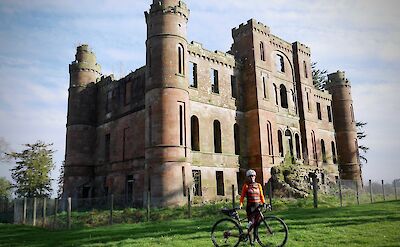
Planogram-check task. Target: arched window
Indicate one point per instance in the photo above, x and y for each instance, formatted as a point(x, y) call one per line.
point(264, 79)
point(280, 63)
point(262, 53)
point(333, 152)
point(217, 137)
point(289, 136)
point(305, 69)
point(270, 143)
point(236, 136)
point(323, 151)
point(181, 59)
point(283, 94)
point(314, 145)
point(276, 94)
point(298, 151)
point(194, 123)
point(280, 143)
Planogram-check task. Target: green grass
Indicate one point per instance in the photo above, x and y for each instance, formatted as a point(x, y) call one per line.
point(375, 224)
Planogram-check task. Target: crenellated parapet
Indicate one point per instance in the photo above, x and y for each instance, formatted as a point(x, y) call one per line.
point(337, 79)
point(250, 26)
point(217, 57)
point(280, 44)
point(171, 7)
point(85, 60)
point(301, 48)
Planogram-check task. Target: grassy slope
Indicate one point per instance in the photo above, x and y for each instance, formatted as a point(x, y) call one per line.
point(375, 224)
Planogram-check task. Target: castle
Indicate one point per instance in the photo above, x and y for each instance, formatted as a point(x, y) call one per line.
point(198, 119)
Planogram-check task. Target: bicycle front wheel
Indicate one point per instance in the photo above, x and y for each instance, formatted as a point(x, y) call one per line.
point(272, 231)
point(226, 232)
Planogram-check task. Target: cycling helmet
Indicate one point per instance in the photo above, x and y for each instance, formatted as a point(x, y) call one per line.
point(250, 173)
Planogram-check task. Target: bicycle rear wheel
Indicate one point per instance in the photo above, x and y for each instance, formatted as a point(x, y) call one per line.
point(272, 231)
point(226, 232)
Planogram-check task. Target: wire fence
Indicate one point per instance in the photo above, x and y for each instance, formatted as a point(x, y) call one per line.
point(66, 213)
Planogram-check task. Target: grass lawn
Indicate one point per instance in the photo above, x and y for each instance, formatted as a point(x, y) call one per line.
point(375, 224)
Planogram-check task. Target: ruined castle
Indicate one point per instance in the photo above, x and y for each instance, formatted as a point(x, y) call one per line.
point(198, 119)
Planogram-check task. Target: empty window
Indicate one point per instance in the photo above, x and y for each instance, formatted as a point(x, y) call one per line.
point(297, 140)
point(319, 111)
point(195, 137)
point(196, 182)
point(128, 92)
point(314, 145)
point(220, 183)
point(283, 94)
point(280, 143)
point(276, 94)
point(264, 80)
point(323, 151)
point(129, 188)
point(214, 80)
point(233, 86)
point(270, 143)
point(289, 136)
point(328, 109)
point(308, 102)
point(181, 59)
point(305, 69)
point(333, 152)
point(183, 181)
point(262, 53)
point(193, 75)
point(280, 63)
point(236, 137)
point(109, 101)
point(182, 123)
point(107, 148)
point(217, 137)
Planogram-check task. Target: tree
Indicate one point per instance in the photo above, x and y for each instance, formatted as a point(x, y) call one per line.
point(319, 76)
point(32, 171)
point(5, 188)
point(4, 148)
point(361, 135)
point(60, 181)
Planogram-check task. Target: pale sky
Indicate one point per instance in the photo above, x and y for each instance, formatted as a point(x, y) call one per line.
point(38, 40)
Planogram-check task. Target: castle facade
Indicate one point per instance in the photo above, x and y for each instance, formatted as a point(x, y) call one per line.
point(195, 118)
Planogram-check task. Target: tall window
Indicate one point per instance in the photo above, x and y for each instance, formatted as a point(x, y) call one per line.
point(323, 151)
point(182, 127)
point(298, 151)
point(220, 183)
point(270, 143)
point(305, 69)
point(289, 136)
point(283, 94)
point(280, 63)
point(193, 75)
point(308, 102)
point(234, 86)
point(236, 136)
point(217, 137)
point(129, 188)
point(333, 148)
point(280, 143)
point(196, 182)
point(319, 111)
point(328, 109)
point(194, 121)
point(125, 142)
point(314, 145)
point(276, 94)
point(181, 59)
point(183, 181)
point(128, 92)
point(107, 148)
point(264, 80)
point(262, 53)
point(214, 80)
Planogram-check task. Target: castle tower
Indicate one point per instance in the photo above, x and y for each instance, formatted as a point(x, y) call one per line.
point(167, 103)
point(345, 126)
point(81, 124)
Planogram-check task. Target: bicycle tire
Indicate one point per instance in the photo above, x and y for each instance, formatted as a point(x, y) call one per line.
point(226, 232)
point(272, 231)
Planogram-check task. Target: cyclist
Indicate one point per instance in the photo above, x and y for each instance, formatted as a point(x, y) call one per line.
point(254, 193)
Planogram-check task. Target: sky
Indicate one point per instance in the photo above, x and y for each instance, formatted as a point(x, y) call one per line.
point(38, 40)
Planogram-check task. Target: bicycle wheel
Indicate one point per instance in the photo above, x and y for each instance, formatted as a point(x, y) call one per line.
point(272, 231)
point(226, 232)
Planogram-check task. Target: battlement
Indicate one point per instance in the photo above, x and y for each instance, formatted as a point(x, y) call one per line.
point(280, 43)
point(251, 25)
point(337, 79)
point(219, 57)
point(169, 6)
point(301, 48)
point(85, 60)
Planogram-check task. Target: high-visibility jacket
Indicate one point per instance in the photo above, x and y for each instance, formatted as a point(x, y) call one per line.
point(253, 192)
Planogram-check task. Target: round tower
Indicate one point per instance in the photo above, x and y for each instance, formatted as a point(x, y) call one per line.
point(345, 126)
point(167, 103)
point(81, 122)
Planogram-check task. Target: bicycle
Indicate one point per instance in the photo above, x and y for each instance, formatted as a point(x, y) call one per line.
point(268, 230)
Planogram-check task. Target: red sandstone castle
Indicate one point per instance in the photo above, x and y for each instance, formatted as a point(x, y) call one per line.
point(193, 118)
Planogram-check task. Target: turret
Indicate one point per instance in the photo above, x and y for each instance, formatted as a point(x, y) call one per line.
point(167, 103)
point(345, 126)
point(81, 122)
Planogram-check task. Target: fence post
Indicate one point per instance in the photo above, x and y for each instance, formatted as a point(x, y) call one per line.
point(370, 190)
point(24, 213)
point(358, 197)
point(189, 204)
point(233, 196)
point(44, 212)
point(395, 189)
point(69, 213)
point(383, 191)
point(34, 212)
point(148, 205)
point(315, 190)
point(111, 208)
point(55, 212)
point(340, 193)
